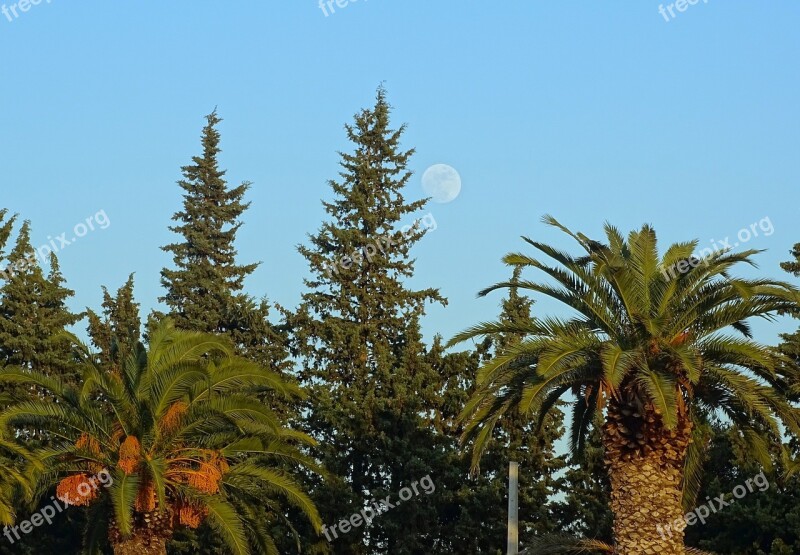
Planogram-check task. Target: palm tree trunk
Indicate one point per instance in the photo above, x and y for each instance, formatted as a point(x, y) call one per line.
point(151, 532)
point(645, 463)
point(140, 545)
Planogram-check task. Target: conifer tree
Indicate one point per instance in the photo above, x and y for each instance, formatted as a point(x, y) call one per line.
point(205, 289)
point(6, 228)
point(118, 327)
point(206, 274)
point(516, 438)
point(585, 509)
point(34, 315)
point(793, 266)
point(363, 359)
point(790, 344)
point(766, 521)
point(522, 441)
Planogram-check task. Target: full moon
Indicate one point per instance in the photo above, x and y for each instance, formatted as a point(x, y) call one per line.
point(441, 182)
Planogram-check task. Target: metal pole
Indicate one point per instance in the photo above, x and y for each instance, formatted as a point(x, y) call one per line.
point(513, 512)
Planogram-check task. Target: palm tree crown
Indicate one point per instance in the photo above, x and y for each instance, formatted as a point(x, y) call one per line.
point(655, 346)
point(181, 436)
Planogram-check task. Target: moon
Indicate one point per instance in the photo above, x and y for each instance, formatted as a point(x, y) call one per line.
point(441, 182)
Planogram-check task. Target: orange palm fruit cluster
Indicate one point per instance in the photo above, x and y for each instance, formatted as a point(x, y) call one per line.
point(173, 417)
point(680, 339)
point(88, 443)
point(191, 515)
point(76, 490)
point(130, 455)
point(219, 462)
point(209, 476)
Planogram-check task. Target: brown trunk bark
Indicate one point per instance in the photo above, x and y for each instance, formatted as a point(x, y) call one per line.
point(139, 545)
point(645, 463)
point(151, 532)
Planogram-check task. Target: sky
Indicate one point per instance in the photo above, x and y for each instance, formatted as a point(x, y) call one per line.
point(589, 111)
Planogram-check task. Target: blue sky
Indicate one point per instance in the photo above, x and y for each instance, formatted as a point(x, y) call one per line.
point(590, 111)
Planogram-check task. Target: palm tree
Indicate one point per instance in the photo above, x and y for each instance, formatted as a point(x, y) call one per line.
point(16, 466)
point(654, 347)
point(174, 437)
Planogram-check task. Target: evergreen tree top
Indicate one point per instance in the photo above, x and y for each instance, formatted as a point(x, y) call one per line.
point(33, 311)
point(361, 248)
point(209, 220)
point(206, 274)
point(118, 327)
point(6, 227)
point(793, 266)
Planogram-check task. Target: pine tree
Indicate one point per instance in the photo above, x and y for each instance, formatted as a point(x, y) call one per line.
point(461, 500)
point(205, 290)
point(793, 266)
point(34, 315)
point(790, 342)
point(200, 289)
point(119, 326)
point(585, 510)
point(363, 359)
point(6, 228)
point(762, 522)
point(518, 439)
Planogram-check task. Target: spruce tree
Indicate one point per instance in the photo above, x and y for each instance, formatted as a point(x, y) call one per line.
point(205, 289)
point(357, 333)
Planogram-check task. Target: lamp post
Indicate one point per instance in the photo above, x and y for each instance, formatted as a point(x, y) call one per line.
point(513, 510)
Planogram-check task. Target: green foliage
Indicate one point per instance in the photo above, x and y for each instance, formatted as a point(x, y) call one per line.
point(517, 438)
point(584, 510)
point(761, 523)
point(118, 329)
point(33, 312)
point(201, 439)
point(638, 328)
point(642, 330)
point(204, 292)
point(383, 407)
point(33, 322)
point(377, 397)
